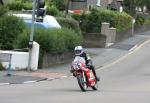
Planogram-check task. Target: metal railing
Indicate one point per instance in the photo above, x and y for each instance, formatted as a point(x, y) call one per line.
point(6, 57)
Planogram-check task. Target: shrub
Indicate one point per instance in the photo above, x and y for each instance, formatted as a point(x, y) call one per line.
point(3, 10)
point(147, 21)
point(52, 10)
point(27, 6)
point(52, 40)
point(140, 20)
point(91, 22)
point(69, 23)
point(1, 67)
point(17, 6)
point(60, 4)
point(10, 28)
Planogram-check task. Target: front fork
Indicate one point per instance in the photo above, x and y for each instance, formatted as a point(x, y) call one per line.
point(83, 75)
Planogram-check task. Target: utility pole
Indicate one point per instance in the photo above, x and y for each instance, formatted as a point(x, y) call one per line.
point(31, 36)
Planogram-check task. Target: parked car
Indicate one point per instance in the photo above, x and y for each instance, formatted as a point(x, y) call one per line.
point(48, 21)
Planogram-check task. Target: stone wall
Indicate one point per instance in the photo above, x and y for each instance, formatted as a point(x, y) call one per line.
point(143, 28)
point(53, 59)
point(123, 35)
point(94, 40)
point(90, 40)
point(128, 33)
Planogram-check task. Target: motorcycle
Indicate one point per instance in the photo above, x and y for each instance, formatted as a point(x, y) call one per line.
point(84, 75)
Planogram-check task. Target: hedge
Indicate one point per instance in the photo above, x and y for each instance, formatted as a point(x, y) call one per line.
point(52, 10)
point(91, 22)
point(52, 40)
point(3, 10)
point(69, 23)
point(18, 5)
point(10, 28)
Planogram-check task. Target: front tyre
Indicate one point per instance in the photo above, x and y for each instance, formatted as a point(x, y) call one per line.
point(82, 82)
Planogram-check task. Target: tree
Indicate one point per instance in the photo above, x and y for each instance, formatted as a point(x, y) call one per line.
point(60, 4)
point(148, 4)
point(130, 5)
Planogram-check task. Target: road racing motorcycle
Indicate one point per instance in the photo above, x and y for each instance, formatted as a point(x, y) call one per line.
point(84, 75)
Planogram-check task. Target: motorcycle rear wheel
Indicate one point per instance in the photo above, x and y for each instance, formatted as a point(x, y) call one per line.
point(95, 87)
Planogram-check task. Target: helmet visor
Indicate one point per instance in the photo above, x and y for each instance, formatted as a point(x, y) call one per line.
point(77, 52)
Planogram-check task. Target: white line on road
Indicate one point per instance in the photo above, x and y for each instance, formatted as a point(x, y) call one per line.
point(135, 48)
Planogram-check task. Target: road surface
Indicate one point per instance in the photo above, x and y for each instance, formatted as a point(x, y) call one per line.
point(126, 81)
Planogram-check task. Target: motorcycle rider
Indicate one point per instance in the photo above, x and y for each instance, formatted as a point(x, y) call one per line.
point(80, 52)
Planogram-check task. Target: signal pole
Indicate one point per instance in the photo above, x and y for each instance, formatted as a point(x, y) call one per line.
point(31, 36)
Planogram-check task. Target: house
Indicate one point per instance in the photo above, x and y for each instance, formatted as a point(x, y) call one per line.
point(115, 5)
point(86, 4)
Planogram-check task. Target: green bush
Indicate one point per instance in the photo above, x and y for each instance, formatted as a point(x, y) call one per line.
point(147, 21)
point(60, 4)
point(52, 40)
point(52, 10)
point(140, 20)
point(3, 10)
point(10, 28)
point(1, 67)
point(27, 6)
point(69, 23)
point(91, 22)
point(17, 6)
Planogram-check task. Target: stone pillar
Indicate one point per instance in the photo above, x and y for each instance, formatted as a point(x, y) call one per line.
point(35, 56)
point(111, 37)
point(112, 33)
point(104, 28)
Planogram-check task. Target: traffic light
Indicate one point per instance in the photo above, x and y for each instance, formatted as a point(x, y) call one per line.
point(41, 8)
point(1, 2)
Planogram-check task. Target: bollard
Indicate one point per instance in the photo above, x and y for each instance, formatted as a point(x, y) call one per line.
point(9, 67)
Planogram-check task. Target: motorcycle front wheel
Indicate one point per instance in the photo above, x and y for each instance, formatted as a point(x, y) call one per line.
point(82, 82)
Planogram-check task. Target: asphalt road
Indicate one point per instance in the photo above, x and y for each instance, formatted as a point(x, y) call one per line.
point(126, 81)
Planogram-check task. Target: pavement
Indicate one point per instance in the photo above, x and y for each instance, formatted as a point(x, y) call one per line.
point(100, 56)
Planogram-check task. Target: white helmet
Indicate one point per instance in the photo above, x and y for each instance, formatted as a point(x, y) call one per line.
point(78, 50)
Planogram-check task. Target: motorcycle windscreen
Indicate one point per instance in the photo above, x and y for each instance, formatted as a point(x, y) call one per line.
point(79, 59)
